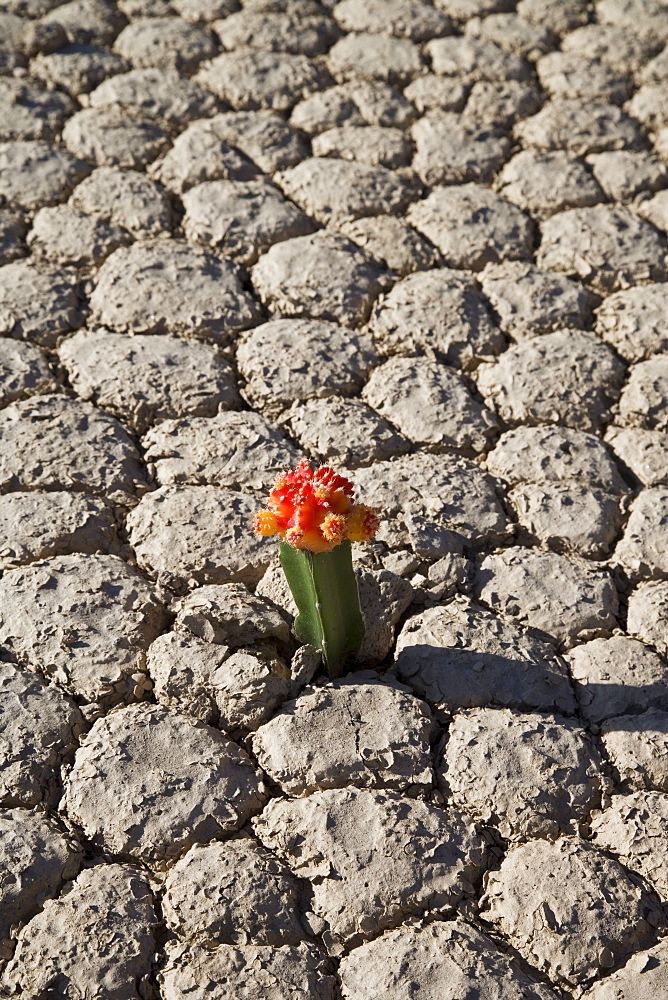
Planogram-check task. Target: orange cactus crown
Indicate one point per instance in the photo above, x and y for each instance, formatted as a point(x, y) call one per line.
point(315, 510)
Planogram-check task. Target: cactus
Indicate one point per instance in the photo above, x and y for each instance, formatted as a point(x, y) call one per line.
point(316, 519)
point(324, 587)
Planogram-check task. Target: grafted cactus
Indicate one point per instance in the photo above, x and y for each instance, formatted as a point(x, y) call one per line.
point(316, 519)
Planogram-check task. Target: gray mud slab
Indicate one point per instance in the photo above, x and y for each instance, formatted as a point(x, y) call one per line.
point(297, 31)
point(257, 900)
point(76, 69)
point(617, 676)
point(643, 549)
point(130, 200)
point(184, 535)
point(455, 495)
point(263, 138)
point(144, 380)
point(473, 226)
point(607, 248)
point(479, 59)
point(634, 827)
point(24, 371)
point(334, 190)
point(370, 102)
point(38, 302)
point(148, 783)
point(501, 103)
point(453, 150)
point(431, 405)
point(35, 173)
point(568, 75)
point(230, 615)
point(96, 938)
point(400, 835)
point(63, 235)
point(514, 33)
point(567, 880)
point(251, 81)
point(579, 126)
point(656, 211)
point(648, 614)
point(460, 655)
point(637, 747)
point(631, 321)
point(646, 106)
point(172, 288)
point(569, 598)
point(625, 174)
point(334, 429)
point(167, 42)
point(614, 45)
point(552, 454)
point(384, 597)
point(41, 524)
point(30, 111)
point(270, 359)
point(527, 775)
point(234, 689)
point(378, 737)
point(87, 20)
point(323, 276)
point(371, 144)
point(246, 972)
point(436, 959)
point(241, 218)
point(375, 57)
point(200, 154)
point(39, 726)
point(402, 18)
point(645, 974)
point(38, 856)
point(114, 136)
point(643, 452)
point(644, 398)
point(567, 517)
point(53, 442)
point(576, 387)
point(392, 242)
point(237, 449)
point(83, 620)
point(439, 310)
point(13, 228)
point(529, 301)
point(543, 183)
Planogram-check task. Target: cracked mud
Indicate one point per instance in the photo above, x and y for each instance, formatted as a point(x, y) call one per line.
point(425, 241)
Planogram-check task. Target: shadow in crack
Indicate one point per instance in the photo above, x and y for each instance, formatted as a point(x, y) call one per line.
point(624, 707)
point(454, 678)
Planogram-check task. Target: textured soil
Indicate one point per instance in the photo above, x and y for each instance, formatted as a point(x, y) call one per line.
point(427, 243)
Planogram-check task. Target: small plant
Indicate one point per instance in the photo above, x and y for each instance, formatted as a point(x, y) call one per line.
point(317, 519)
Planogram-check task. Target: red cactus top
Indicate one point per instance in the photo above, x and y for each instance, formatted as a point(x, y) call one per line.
point(315, 510)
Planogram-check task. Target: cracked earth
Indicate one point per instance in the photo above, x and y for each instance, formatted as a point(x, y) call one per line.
point(425, 243)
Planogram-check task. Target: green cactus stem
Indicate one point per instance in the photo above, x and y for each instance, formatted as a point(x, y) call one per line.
point(324, 587)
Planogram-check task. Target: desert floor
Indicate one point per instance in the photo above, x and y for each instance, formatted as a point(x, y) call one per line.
point(426, 244)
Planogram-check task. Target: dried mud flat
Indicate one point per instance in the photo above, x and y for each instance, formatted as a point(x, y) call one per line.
point(426, 243)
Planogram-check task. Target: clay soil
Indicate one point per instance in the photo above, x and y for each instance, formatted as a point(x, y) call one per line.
point(425, 243)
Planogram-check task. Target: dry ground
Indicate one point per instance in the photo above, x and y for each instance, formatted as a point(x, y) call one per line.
point(425, 242)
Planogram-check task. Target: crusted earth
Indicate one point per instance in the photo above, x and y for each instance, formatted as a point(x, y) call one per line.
point(423, 241)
